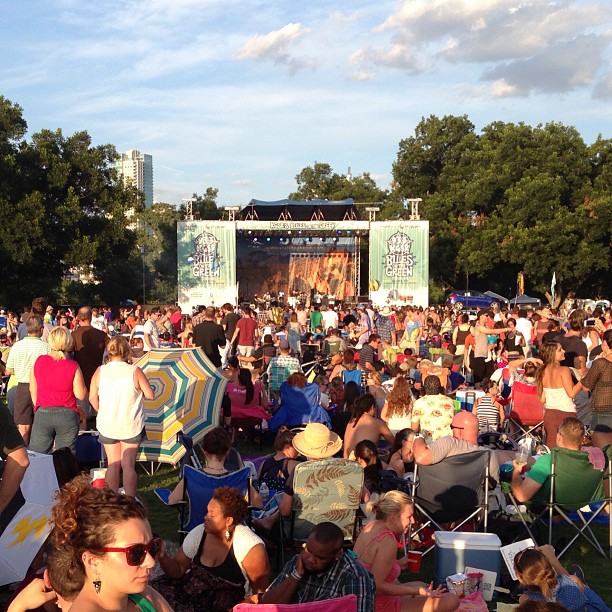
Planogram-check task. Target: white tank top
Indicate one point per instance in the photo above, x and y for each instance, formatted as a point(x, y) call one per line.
point(558, 399)
point(121, 407)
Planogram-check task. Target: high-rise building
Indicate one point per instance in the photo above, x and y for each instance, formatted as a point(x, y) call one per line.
point(137, 170)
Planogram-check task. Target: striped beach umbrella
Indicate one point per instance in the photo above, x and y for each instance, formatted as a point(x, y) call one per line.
point(188, 394)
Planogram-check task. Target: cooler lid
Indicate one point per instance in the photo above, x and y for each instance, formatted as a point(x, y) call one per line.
point(460, 540)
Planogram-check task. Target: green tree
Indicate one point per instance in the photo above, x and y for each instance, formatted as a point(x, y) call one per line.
point(61, 208)
point(514, 198)
point(156, 240)
point(204, 206)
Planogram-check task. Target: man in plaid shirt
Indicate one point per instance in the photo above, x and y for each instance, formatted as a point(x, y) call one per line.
point(282, 366)
point(323, 570)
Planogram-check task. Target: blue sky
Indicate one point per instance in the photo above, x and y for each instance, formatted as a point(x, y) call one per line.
point(241, 95)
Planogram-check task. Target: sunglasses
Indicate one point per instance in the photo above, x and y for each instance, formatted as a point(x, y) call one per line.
point(137, 553)
point(456, 427)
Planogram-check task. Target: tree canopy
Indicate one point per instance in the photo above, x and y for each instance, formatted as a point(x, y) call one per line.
point(514, 197)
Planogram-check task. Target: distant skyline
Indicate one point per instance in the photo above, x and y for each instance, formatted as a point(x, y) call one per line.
point(241, 95)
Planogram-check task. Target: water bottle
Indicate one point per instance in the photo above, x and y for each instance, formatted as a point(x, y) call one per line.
point(264, 491)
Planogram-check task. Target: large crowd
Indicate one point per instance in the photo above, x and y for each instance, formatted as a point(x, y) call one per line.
point(386, 387)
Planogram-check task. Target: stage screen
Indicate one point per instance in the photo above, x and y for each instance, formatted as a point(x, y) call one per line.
point(295, 265)
point(399, 262)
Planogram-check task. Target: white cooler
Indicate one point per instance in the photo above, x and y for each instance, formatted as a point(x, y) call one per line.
point(455, 550)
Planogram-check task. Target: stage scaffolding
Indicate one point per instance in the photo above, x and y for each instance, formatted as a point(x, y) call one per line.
point(211, 252)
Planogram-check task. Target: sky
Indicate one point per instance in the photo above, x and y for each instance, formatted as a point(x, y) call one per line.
point(241, 95)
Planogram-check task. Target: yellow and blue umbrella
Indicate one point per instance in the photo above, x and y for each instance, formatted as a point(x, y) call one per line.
point(188, 394)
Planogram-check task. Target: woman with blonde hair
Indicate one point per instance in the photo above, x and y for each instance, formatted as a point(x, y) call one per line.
point(397, 411)
point(56, 383)
point(376, 548)
point(556, 389)
point(117, 394)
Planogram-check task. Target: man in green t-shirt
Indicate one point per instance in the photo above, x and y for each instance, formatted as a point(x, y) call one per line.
point(536, 484)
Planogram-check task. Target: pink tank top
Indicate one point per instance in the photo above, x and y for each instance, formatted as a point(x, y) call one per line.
point(387, 603)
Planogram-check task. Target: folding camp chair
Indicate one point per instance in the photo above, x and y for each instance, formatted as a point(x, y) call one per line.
point(574, 484)
point(453, 491)
point(526, 416)
point(355, 376)
point(324, 490)
point(195, 489)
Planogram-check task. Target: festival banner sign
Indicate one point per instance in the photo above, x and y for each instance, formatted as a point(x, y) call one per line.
point(399, 262)
point(206, 254)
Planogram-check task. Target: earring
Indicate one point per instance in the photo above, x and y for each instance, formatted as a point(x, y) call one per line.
point(97, 584)
point(228, 535)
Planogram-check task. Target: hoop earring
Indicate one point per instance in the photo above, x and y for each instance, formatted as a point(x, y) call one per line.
point(228, 535)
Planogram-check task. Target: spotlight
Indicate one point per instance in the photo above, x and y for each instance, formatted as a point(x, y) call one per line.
point(338, 232)
point(348, 232)
point(336, 239)
point(268, 239)
point(249, 232)
point(300, 232)
point(240, 232)
point(289, 232)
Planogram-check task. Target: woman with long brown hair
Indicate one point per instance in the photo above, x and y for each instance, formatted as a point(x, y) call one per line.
point(397, 411)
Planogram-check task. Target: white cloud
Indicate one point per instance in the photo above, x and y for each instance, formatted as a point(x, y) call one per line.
point(502, 89)
point(245, 182)
point(272, 46)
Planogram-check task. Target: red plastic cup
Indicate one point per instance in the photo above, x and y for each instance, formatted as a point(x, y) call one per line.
point(99, 483)
point(414, 561)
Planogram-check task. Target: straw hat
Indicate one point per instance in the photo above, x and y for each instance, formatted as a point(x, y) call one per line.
point(317, 442)
point(386, 311)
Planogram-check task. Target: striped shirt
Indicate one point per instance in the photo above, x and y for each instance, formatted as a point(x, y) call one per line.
point(23, 355)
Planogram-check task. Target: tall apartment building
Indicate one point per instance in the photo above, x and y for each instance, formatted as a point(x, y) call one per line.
point(137, 170)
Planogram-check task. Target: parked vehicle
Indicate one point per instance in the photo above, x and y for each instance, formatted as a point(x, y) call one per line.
point(473, 299)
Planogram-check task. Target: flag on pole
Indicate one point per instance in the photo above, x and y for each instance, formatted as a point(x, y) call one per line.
point(520, 284)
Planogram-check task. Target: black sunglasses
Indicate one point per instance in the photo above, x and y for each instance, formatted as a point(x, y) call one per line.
point(456, 427)
point(135, 554)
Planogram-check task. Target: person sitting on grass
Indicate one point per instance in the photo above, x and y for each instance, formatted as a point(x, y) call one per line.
point(546, 579)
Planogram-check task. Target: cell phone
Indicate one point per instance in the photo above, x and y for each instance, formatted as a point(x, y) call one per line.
point(589, 323)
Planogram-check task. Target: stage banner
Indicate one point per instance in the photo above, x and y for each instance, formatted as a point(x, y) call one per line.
point(206, 255)
point(399, 262)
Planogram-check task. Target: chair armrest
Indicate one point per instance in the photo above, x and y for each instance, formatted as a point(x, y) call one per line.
point(164, 497)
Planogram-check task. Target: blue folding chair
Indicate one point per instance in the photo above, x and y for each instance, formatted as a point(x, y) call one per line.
point(355, 376)
point(198, 490)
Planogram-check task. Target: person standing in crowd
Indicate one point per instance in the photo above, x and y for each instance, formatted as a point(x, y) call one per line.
point(56, 383)
point(481, 366)
point(556, 389)
point(150, 330)
point(385, 326)
point(89, 346)
point(116, 394)
point(228, 322)
point(574, 348)
point(210, 337)
point(598, 381)
point(20, 363)
point(246, 332)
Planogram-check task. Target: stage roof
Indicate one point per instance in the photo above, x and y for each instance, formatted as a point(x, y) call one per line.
point(293, 210)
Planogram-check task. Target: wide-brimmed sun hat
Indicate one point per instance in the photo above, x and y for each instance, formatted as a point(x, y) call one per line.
point(317, 442)
point(386, 311)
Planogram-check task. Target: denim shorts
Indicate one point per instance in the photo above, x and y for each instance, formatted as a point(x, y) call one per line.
point(135, 440)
